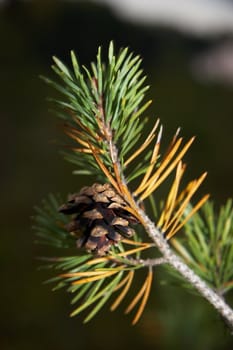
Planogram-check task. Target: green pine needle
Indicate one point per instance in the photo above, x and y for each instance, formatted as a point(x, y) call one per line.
point(114, 93)
point(209, 243)
point(49, 224)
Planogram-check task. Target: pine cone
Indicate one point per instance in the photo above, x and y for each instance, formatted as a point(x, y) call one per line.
point(99, 218)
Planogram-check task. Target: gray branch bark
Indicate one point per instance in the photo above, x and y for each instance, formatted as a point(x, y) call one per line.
point(213, 298)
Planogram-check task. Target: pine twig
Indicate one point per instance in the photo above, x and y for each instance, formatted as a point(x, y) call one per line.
point(168, 256)
point(175, 262)
point(101, 110)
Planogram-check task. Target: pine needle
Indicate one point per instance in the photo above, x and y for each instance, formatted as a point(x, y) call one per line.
point(96, 277)
point(124, 291)
point(192, 189)
point(97, 261)
point(145, 297)
point(175, 228)
point(144, 145)
point(143, 293)
point(133, 251)
point(156, 180)
point(153, 161)
point(104, 169)
point(171, 199)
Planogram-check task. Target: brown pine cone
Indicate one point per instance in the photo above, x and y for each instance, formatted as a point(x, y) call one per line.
point(99, 218)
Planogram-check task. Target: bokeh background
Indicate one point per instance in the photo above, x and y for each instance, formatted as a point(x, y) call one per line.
point(187, 50)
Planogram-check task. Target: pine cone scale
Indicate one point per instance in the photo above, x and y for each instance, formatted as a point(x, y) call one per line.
point(99, 218)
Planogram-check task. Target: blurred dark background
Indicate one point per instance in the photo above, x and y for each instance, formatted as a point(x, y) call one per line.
point(191, 78)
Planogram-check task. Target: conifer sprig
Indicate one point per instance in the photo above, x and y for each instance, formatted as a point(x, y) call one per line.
point(92, 280)
point(102, 108)
point(208, 245)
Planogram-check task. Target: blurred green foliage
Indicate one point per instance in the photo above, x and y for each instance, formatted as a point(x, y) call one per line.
point(30, 33)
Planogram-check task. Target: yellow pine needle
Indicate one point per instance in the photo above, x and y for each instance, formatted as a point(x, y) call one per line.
point(136, 298)
point(88, 130)
point(104, 169)
point(171, 202)
point(193, 211)
point(162, 166)
point(96, 278)
point(76, 135)
point(145, 144)
point(117, 174)
point(124, 192)
point(121, 296)
point(89, 273)
point(139, 151)
point(183, 194)
point(83, 274)
point(97, 261)
point(152, 162)
point(120, 186)
point(192, 189)
point(143, 292)
point(172, 165)
point(152, 133)
point(122, 283)
point(82, 150)
point(155, 180)
point(133, 251)
point(172, 196)
point(128, 252)
point(170, 146)
point(133, 211)
point(151, 166)
point(145, 298)
point(187, 189)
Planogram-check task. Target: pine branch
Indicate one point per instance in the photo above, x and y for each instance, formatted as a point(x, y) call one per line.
point(102, 111)
point(207, 245)
point(176, 263)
